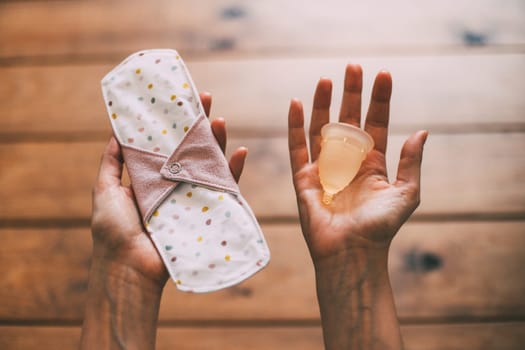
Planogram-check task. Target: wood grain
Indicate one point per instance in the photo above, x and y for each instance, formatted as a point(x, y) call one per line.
point(438, 93)
point(439, 272)
point(44, 273)
point(477, 263)
point(456, 269)
point(491, 336)
point(73, 28)
point(463, 174)
point(483, 336)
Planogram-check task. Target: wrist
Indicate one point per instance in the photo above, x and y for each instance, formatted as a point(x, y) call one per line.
point(122, 307)
point(353, 260)
point(115, 273)
point(135, 256)
point(356, 301)
point(350, 270)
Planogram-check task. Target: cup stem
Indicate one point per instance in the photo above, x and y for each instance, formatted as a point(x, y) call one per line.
point(327, 198)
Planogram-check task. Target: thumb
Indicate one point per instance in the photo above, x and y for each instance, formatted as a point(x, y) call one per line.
point(409, 169)
point(110, 172)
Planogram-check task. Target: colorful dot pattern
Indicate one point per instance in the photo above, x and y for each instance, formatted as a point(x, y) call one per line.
point(146, 106)
point(208, 239)
point(213, 238)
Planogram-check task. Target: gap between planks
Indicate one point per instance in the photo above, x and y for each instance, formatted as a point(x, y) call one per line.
point(245, 133)
point(85, 222)
point(388, 51)
point(271, 323)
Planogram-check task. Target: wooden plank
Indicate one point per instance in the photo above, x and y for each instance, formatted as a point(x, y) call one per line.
point(56, 176)
point(439, 272)
point(469, 269)
point(54, 180)
point(45, 273)
point(100, 27)
point(491, 336)
point(43, 338)
point(308, 338)
point(439, 93)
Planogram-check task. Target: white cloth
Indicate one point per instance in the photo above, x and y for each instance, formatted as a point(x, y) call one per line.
point(207, 239)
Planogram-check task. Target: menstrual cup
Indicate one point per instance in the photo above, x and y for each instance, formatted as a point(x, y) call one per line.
point(343, 149)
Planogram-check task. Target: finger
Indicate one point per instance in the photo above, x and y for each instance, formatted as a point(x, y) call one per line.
point(218, 127)
point(110, 172)
point(351, 104)
point(237, 162)
point(296, 137)
point(409, 169)
point(320, 115)
point(206, 102)
point(378, 112)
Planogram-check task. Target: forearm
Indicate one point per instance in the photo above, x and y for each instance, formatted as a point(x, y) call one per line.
point(356, 301)
point(122, 308)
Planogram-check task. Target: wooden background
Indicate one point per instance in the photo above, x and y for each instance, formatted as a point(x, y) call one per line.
point(458, 69)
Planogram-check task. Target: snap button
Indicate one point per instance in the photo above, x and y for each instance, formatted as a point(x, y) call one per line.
point(174, 168)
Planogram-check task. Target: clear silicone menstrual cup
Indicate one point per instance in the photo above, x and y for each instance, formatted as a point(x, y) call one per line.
point(343, 149)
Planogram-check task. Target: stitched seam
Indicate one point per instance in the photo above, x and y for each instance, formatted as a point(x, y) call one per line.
point(205, 184)
point(211, 185)
point(157, 155)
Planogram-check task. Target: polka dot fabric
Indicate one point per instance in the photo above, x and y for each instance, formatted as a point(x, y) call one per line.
point(151, 102)
point(208, 238)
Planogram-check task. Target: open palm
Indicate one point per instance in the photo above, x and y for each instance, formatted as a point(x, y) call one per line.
point(369, 211)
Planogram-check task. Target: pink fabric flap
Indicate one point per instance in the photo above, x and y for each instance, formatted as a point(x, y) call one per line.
point(148, 185)
point(197, 160)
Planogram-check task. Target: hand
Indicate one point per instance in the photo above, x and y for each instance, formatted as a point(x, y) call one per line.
point(367, 213)
point(127, 274)
point(118, 235)
point(349, 238)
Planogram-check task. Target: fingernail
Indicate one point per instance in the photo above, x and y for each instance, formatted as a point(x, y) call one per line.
point(245, 149)
point(425, 137)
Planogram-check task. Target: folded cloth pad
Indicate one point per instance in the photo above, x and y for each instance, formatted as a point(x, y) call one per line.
point(190, 204)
